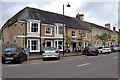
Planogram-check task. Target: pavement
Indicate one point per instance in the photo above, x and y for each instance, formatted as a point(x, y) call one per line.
point(38, 56)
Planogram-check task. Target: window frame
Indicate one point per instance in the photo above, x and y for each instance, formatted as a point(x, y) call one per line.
point(30, 45)
point(50, 31)
point(74, 33)
point(29, 26)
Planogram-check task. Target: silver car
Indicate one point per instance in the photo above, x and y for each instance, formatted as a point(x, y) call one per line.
point(115, 48)
point(50, 52)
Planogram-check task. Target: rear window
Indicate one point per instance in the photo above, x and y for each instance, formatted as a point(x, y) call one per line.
point(92, 48)
point(10, 49)
point(116, 45)
point(100, 48)
point(106, 47)
point(50, 48)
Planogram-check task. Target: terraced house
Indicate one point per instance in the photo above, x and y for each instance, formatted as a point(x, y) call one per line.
point(37, 29)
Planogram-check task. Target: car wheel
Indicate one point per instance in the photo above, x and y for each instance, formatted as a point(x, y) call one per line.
point(58, 58)
point(109, 53)
point(43, 59)
point(3, 61)
point(20, 61)
point(101, 52)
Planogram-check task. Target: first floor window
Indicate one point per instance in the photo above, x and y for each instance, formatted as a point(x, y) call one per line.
point(34, 27)
point(73, 34)
point(84, 34)
point(48, 30)
point(60, 29)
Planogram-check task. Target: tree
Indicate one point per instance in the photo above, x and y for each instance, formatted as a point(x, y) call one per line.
point(104, 38)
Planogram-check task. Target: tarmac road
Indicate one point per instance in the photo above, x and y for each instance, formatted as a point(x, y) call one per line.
point(101, 66)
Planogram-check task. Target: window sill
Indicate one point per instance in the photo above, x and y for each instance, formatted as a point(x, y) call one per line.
point(33, 32)
point(48, 34)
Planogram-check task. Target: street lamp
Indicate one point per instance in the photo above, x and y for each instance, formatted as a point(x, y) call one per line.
point(63, 23)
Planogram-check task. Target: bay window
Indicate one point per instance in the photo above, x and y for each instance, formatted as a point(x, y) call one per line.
point(33, 26)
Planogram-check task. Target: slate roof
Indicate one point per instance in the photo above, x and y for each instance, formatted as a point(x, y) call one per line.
point(97, 26)
point(48, 18)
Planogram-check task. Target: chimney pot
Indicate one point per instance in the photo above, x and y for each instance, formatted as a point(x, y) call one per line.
point(107, 26)
point(113, 28)
point(80, 16)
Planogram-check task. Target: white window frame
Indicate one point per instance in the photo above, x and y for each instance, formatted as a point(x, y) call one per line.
point(57, 26)
point(48, 41)
point(29, 26)
point(58, 45)
point(85, 34)
point(50, 31)
point(31, 45)
point(95, 33)
point(74, 33)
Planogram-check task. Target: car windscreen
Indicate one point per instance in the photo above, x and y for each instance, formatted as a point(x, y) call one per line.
point(50, 49)
point(10, 49)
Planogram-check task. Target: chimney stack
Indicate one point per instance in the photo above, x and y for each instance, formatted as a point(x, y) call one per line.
point(80, 16)
point(113, 28)
point(107, 26)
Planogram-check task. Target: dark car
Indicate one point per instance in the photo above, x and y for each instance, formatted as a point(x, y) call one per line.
point(13, 54)
point(90, 51)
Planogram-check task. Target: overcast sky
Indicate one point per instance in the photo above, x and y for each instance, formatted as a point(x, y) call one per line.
point(100, 12)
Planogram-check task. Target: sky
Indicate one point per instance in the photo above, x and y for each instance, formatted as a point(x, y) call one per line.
point(95, 11)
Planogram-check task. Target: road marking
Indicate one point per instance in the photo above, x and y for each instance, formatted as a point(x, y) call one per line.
point(115, 57)
point(83, 64)
point(14, 65)
point(35, 63)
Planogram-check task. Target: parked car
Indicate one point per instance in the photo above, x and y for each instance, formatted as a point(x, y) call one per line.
point(90, 51)
point(50, 52)
point(13, 54)
point(115, 48)
point(104, 49)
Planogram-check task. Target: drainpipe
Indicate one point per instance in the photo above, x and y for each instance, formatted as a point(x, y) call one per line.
point(40, 38)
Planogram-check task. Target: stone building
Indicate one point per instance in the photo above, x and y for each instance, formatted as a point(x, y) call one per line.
point(99, 30)
point(37, 29)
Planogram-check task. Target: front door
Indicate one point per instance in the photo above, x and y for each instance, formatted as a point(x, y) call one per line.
point(74, 47)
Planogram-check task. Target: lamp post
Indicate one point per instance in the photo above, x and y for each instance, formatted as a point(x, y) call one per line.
point(63, 23)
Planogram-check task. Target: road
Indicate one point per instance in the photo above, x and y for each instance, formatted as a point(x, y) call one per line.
point(101, 66)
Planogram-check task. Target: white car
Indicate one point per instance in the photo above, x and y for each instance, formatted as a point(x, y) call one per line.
point(50, 52)
point(104, 49)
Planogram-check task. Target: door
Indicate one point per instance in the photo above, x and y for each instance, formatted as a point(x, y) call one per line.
point(74, 47)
